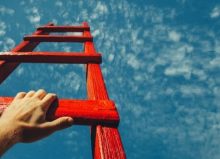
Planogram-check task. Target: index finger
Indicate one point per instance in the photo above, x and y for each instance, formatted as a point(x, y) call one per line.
point(20, 95)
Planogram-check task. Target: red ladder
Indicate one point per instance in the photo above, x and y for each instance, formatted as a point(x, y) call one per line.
point(98, 110)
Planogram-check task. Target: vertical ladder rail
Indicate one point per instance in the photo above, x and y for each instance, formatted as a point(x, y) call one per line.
point(106, 141)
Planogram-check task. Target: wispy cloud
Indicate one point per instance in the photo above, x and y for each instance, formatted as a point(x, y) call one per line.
point(7, 44)
point(33, 15)
point(2, 28)
point(215, 13)
point(5, 10)
point(174, 36)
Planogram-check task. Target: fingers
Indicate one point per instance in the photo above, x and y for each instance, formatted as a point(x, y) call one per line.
point(20, 95)
point(58, 124)
point(30, 93)
point(48, 100)
point(40, 94)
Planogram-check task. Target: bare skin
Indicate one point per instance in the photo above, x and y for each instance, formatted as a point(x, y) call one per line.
point(24, 119)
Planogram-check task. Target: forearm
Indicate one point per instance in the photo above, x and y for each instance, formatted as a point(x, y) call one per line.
point(8, 136)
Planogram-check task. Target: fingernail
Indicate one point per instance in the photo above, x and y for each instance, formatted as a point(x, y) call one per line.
point(70, 120)
point(53, 94)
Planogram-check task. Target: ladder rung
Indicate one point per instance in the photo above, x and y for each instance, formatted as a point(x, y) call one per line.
point(51, 57)
point(57, 38)
point(64, 28)
point(84, 112)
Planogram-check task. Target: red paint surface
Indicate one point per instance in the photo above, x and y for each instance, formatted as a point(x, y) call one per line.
point(64, 28)
point(51, 57)
point(106, 142)
point(57, 38)
point(84, 112)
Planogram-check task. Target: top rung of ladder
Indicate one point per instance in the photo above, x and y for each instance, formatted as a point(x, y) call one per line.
point(64, 28)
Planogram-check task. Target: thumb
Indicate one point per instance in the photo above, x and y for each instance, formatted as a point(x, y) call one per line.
point(58, 124)
point(46, 129)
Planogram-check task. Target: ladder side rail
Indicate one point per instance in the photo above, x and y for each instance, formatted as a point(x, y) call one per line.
point(106, 141)
point(7, 68)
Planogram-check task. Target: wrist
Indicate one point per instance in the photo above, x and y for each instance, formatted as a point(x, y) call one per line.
point(10, 132)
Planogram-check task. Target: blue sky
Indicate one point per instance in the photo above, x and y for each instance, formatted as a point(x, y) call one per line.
point(161, 62)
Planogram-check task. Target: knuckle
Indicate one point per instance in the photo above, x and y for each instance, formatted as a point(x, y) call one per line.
point(21, 93)
point(51, 95)
point(42, 90)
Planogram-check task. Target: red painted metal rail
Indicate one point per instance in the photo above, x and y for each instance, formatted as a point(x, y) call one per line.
point(106, 141)
point(57, 38)
point(98, 110)
point(51, 57)
point(64, 28)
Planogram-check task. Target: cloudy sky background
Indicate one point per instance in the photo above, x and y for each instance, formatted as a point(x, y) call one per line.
point(161, 62)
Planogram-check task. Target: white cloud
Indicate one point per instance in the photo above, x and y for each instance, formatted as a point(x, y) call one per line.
point(190, 90)
point(215, 63)
point(8, 44)
point(72, 81)
point(174, 36)
point(216, 46)
point(133, 61)
point(216, 93)
point(175, 56)
point(215, 12)
point(34, 16)
point(59, 3)
point(182, 1)
point(95, 32)
point(111, 57)
point(101, 8)
point(178, 70)
point(20, 71)
point(4, 10)
point(2, 28)
point(200, 73)
point(67, 48)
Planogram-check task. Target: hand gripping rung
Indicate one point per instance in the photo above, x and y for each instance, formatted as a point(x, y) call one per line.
point(51, 57)
point(57, 38)
point(64, 28)
point(84, 112)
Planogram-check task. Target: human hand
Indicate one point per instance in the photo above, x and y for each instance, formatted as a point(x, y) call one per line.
point(24, 119)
